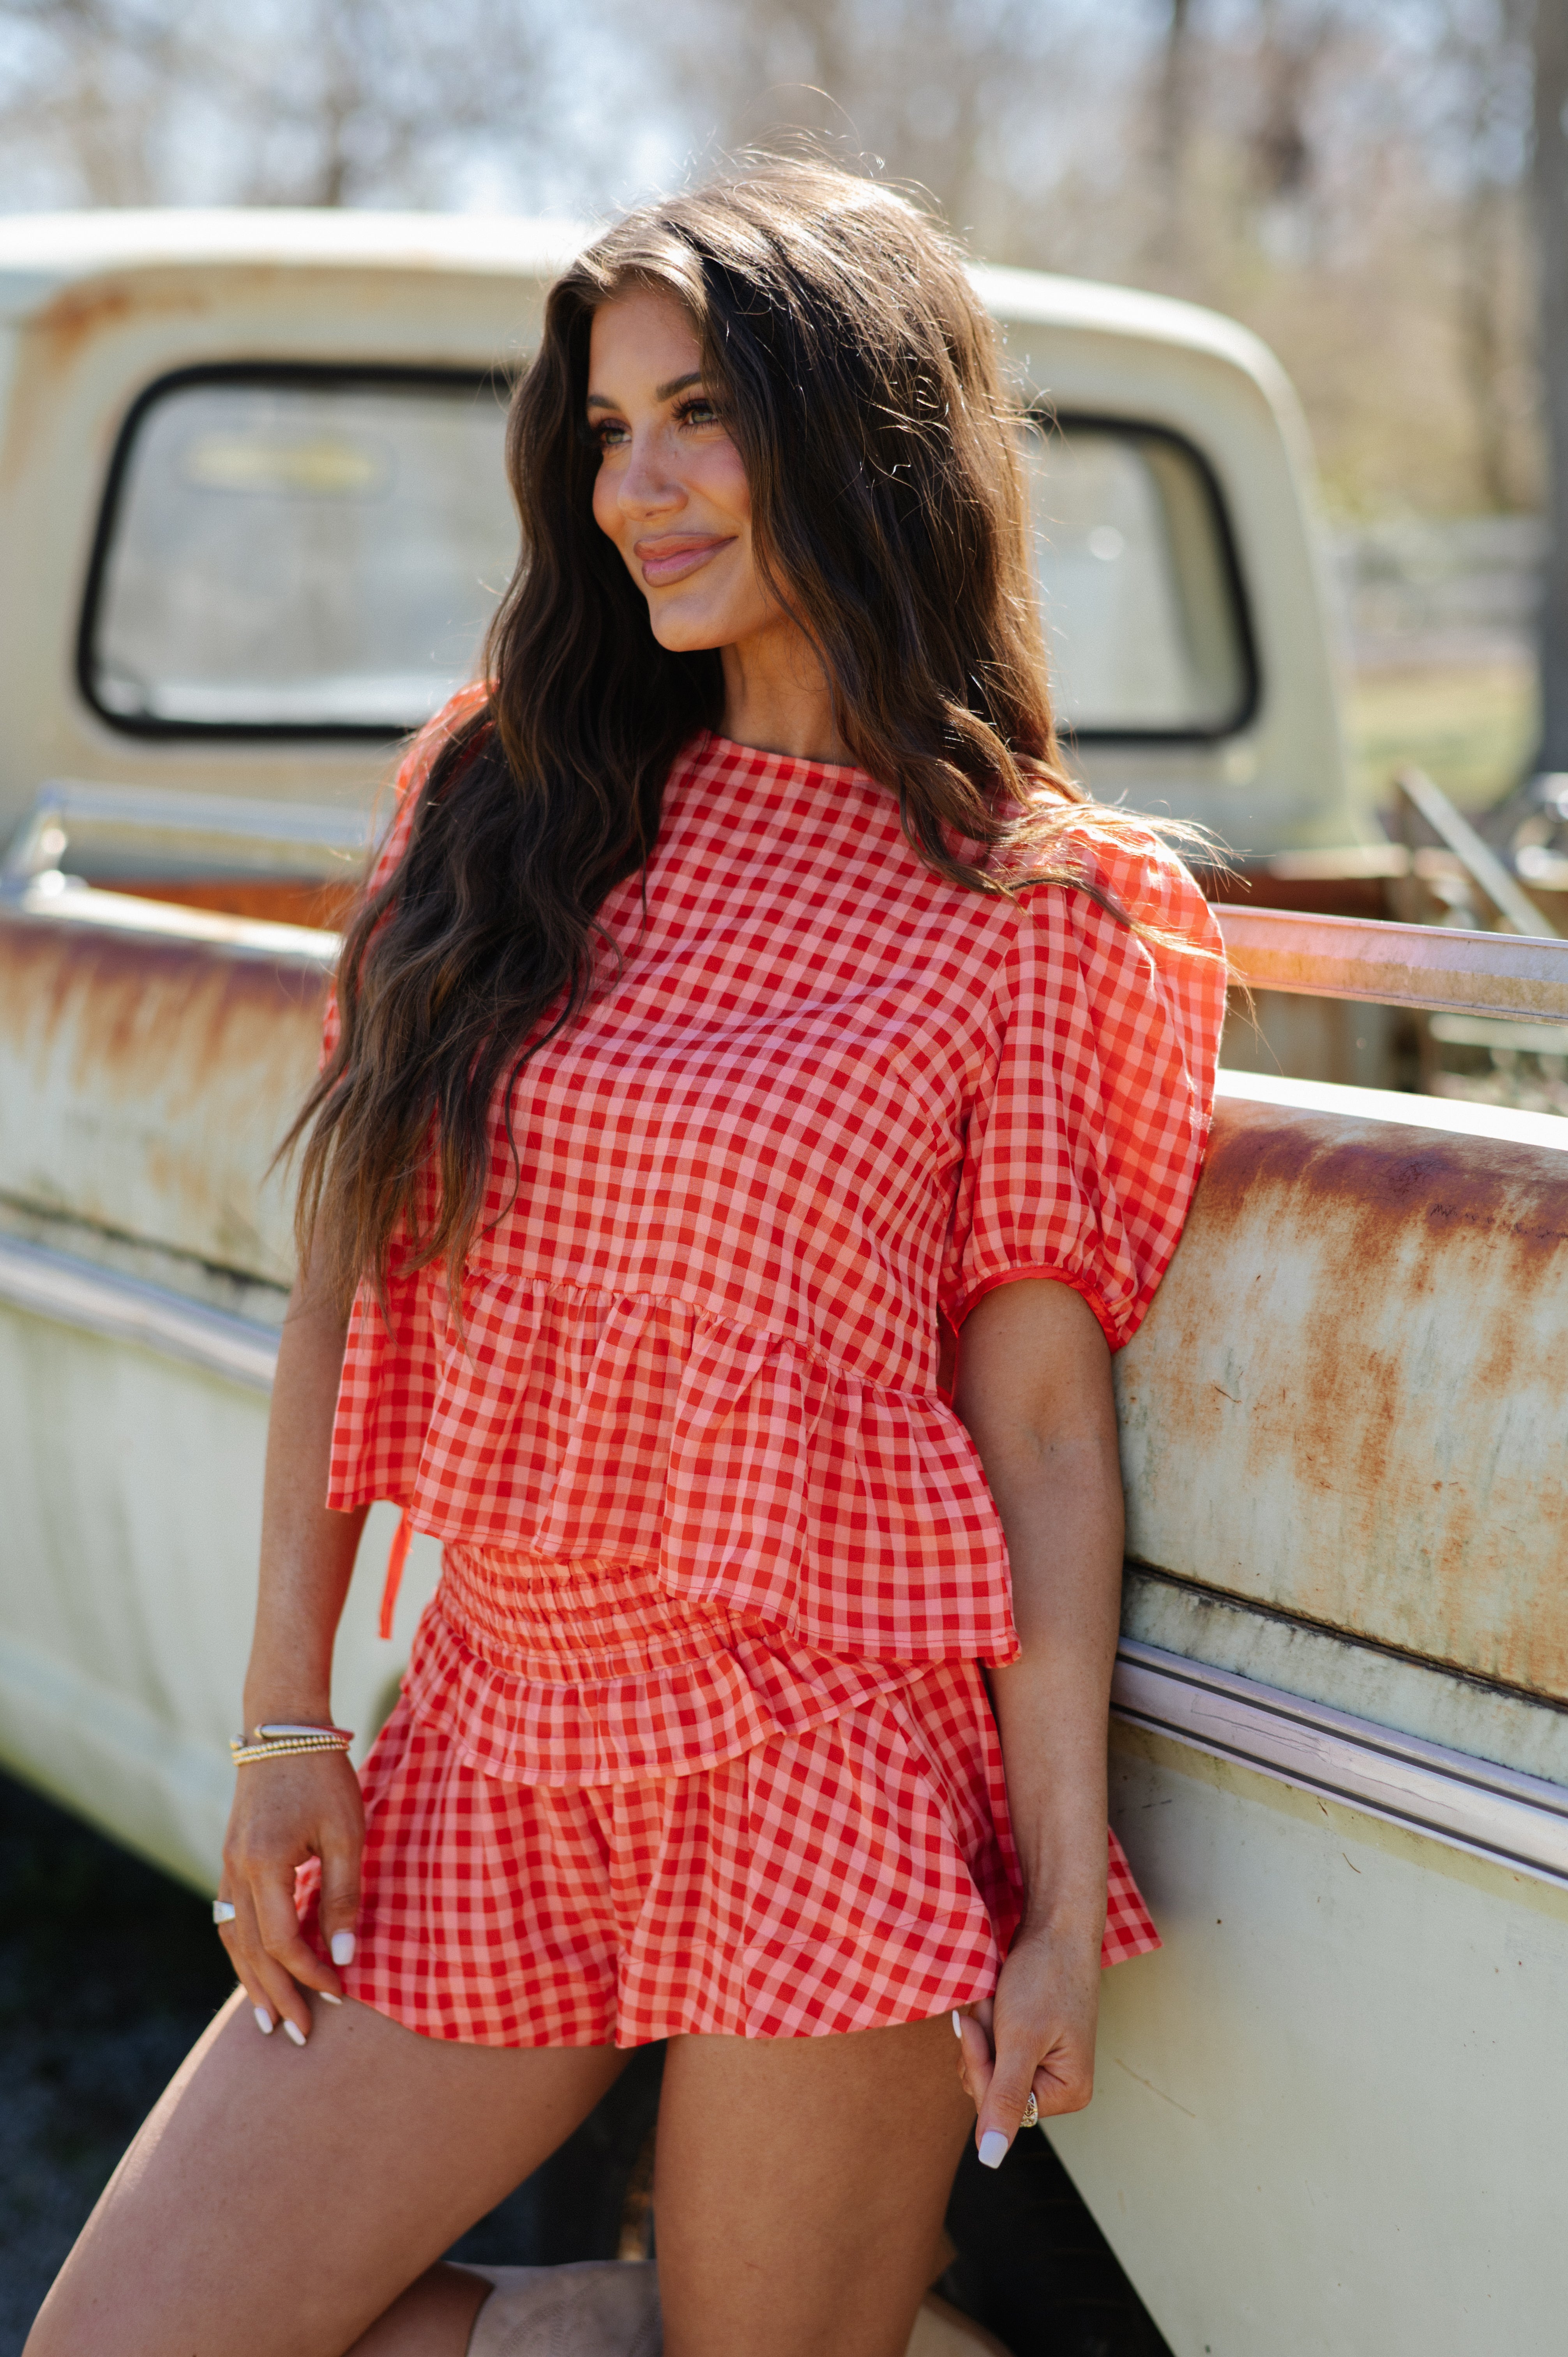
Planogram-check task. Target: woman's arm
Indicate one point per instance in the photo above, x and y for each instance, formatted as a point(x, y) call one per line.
point(305, 1806)
point(1034, 1392)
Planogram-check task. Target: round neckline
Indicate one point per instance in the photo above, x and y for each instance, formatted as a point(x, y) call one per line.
point(712, 740)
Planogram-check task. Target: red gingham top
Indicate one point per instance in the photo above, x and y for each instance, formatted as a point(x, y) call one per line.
point(829, 1101)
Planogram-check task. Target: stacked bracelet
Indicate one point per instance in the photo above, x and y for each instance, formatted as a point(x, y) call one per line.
point(281, 1742)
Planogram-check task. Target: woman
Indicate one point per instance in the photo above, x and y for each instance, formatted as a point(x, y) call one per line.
point(743, 1003)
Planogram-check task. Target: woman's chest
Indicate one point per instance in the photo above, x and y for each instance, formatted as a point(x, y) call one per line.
point(767, 1032)
point(778, 1079)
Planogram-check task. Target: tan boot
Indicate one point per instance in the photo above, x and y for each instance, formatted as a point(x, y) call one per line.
point(944, 2332)
point(609, 2307)
point(599, 2308)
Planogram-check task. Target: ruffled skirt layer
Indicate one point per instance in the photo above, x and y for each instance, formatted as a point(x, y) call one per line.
point(599, 1816)
point(593, 1673)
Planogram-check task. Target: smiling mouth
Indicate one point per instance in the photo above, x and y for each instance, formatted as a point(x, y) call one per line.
point(673, 560)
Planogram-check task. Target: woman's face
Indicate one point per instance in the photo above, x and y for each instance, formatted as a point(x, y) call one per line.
point(671, 491)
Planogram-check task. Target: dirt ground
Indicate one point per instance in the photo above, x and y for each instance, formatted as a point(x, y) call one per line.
point(108, 1971)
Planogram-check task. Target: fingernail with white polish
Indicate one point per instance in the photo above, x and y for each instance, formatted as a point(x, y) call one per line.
point(292, 2029)
point(957, 2025)
point(263, 2020)
point(992, 2144)
point(342, 1947)
point(328, 1998)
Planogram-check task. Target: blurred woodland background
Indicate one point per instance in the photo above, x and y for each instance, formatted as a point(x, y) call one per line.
point(1361, 181)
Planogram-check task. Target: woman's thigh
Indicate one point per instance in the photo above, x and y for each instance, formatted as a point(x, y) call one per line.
point(801, 2189)
point(279, 2199)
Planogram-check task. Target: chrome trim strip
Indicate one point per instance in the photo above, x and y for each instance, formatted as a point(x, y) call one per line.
point(1438, 966)
point(57, 899)
point(1515, 1821)
point(318, 835)
point(95, 1300)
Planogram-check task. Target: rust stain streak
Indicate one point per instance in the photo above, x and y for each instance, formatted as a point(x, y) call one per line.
point(145, 1083)
point(1381, 1442)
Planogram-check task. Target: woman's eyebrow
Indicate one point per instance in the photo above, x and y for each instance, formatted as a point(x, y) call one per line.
point(661, 391)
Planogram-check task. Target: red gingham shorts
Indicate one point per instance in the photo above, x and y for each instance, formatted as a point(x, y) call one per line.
point(851, 1877)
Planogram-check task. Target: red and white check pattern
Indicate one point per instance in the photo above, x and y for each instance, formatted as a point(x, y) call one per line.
point(851, 1878)
point(695, 1736)
point(594, 1674)
point(828, 1103)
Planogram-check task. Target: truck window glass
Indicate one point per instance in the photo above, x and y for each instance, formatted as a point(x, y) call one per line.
point(1138, 584)
point(299, 553)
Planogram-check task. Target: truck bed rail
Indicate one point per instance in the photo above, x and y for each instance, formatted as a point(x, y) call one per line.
point(1437, 967)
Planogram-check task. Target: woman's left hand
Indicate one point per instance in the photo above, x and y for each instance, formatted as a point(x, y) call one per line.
point(1037, 2034)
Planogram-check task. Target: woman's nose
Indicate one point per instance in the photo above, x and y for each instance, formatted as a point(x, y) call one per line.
point(646, 487)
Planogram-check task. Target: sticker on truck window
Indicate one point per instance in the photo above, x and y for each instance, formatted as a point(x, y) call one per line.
point(302, 552)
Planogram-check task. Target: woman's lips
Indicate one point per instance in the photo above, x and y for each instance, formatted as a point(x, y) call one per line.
point(671, 560)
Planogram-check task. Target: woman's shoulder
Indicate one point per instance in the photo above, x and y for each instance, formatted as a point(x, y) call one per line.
point(430, 742)
point(1105, 867)
point(1116, 929)
point(413, 776)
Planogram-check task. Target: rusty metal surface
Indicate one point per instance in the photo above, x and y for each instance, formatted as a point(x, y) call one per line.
point(1351, 1398)
point(1394, 1691)
point(147, 1071)
point(1436, 966)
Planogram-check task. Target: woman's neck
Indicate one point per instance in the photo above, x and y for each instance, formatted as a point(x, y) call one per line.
point(777, 698)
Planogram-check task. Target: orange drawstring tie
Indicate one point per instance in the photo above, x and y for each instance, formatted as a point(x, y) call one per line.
point(397, 1557)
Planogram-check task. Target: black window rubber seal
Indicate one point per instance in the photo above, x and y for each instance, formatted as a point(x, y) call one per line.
point(320, 374)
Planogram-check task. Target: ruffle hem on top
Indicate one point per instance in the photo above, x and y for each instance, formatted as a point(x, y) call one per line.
point(570, 1426)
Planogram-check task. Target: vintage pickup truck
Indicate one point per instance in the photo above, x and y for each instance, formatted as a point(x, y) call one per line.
point(250, 521)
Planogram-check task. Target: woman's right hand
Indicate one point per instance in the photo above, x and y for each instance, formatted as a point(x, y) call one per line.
point(285, 1812)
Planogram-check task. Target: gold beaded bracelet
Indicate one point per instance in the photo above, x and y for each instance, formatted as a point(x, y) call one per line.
point(284, 1741)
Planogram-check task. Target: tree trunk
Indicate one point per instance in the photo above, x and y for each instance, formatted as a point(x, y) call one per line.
point(1173, 133)
point(1483, 262)
point(1551, 195)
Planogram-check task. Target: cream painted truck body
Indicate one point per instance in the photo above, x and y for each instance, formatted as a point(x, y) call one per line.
point(1331, 2114)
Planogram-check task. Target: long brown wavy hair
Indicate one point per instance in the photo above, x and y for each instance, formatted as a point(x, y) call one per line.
point(860, 380)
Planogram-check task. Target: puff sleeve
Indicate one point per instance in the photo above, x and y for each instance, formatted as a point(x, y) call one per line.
point(1086, 1139)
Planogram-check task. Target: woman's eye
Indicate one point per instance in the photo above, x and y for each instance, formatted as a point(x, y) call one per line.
point(697, 411)
point(607, 433)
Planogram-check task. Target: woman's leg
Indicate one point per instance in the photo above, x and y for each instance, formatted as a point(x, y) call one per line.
point(280, 2200)
point(800, 2189)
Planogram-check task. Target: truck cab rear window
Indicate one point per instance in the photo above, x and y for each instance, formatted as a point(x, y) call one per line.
point(1138, 583)
point(298, 554)
point(294, 552)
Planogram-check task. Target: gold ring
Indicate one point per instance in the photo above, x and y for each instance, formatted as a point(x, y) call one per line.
point(1031, 2118)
